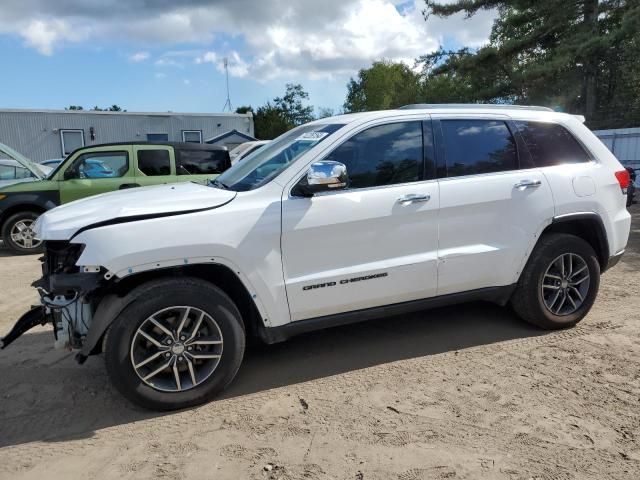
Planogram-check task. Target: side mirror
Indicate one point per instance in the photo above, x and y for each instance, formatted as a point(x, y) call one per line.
point(324, 176)
point(69, 173)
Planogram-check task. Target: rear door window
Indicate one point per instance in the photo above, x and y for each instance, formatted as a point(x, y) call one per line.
point(474, 147)
point(154, 163)
point(202, 162)
point(551, 144)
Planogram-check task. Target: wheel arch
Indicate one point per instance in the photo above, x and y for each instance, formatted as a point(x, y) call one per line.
point(123, 292)
point(20, 207)
point(586, 225)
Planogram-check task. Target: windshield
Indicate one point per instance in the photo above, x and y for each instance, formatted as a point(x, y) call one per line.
point(266, 163)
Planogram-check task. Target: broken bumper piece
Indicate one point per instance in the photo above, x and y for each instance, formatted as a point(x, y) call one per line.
point(34, 317)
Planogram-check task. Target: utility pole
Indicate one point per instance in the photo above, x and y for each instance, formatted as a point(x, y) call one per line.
point(227, 104)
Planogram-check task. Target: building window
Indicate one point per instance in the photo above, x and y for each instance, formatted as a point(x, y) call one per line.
point(157, 137)
point(71, 140)
point(192, 136)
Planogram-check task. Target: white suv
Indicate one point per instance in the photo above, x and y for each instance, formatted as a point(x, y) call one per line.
point(340, 220)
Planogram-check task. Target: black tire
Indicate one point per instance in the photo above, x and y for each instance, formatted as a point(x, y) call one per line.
point(8, 227)
point(159, 295)
point(528, 301)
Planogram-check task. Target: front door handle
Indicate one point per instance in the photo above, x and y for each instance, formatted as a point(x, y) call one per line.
point(522, 184)
point(413, 198)
point(128, 185)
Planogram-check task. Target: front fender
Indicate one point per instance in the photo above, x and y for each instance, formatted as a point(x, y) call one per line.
point(245, 240)
point(19, 201)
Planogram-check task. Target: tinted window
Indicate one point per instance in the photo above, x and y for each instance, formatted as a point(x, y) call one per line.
point(154, 162)
point(382, 155)
point(197, 162)
point(551, 144)
point(99, 165)
point(478, 146)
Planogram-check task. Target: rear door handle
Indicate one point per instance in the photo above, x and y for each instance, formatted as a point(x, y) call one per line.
point(413, 198)
point(128, 185)
point(522, 184)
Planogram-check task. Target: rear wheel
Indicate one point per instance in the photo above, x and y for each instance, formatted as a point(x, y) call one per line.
point(18, 234)
point(177, 345)
point(559, 284)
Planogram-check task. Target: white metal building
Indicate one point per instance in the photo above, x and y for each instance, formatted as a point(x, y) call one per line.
point(624, 143)
point(47, 134)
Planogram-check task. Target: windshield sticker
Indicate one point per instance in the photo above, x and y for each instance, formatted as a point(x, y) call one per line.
point(312, 136)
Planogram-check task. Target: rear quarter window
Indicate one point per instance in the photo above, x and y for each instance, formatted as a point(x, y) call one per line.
point(202, 162)
point(551, 144)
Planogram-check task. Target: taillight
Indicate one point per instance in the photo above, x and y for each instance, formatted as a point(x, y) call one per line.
point(624, 179)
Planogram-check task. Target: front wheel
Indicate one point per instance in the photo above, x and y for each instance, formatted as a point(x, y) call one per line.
point(18, 234)
point(559, 284)
point(178, 344)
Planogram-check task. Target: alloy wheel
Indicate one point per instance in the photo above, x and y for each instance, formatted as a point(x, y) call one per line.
point(22, 234)
point(565, 284)
point(176, 348)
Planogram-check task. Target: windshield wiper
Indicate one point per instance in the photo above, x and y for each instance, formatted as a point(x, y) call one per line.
point(218, 184)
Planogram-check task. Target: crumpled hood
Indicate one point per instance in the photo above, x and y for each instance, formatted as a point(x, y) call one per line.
point(62, 222)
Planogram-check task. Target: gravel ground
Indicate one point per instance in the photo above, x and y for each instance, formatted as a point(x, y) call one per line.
point(460, 392)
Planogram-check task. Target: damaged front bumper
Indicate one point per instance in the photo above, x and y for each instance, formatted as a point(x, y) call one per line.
point(67, 295)
point(34, 317)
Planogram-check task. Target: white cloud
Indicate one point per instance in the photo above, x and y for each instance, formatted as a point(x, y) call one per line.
point(186, 81)
point(237, 66)
point(268, 39)
point(168, 62)
point(45, 35)
point(139, 57)
point(160, 75)
point(207, 57)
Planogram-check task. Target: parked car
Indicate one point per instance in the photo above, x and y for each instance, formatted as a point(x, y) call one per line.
point(16, 168)
point(52, 163)
point(631, 193)
point(99, 169)
point(340, 220)
point(245, 149)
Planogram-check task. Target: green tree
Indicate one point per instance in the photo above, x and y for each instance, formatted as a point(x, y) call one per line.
point(244, 109)
point(284, 113)
point(575, 55)
point(270, 122)
point(382, 86)
point(74, 107)
point(324, 112)
point(292, 107)
point(112, 108)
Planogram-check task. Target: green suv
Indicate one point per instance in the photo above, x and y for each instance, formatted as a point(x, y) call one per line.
point(100, 169)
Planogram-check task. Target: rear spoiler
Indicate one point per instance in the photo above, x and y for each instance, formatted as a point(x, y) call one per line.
point(580, 118)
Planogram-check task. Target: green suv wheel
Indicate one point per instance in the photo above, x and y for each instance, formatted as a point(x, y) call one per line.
point(18, 234)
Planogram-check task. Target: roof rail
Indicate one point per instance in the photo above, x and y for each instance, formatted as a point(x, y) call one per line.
point(453, 106)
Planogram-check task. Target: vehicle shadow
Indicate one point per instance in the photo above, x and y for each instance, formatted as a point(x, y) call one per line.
point(47, 397)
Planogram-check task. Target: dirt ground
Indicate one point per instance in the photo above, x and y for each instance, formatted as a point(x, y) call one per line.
point(460, 392)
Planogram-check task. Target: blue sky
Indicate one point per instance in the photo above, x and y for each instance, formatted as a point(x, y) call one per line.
point(156, 56)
